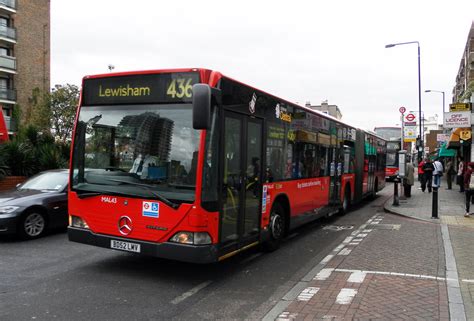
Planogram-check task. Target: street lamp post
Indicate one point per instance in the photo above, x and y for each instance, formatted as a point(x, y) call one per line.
point(437, 91)
point(420, 150)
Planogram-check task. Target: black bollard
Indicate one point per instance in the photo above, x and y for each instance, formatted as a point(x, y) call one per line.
point(395, 193)
point(434, 204)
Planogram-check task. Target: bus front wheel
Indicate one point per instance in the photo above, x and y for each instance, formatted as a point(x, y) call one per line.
point(276, 228)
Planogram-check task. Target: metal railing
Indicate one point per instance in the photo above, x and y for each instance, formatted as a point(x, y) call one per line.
point(8, 3)
point(7, 62)
point(8, 94)
point(7, 32)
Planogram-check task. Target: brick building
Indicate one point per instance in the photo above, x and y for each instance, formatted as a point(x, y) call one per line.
point(24, 54)
point(462, 91)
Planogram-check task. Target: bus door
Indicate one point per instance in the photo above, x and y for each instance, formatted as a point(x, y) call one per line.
point(371, 178)
point(335, 172)
point(241, 180)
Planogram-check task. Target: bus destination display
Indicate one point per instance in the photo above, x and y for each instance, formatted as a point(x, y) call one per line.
point(140, 89)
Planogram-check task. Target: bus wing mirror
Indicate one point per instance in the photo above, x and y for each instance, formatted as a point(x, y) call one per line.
point(201, 106)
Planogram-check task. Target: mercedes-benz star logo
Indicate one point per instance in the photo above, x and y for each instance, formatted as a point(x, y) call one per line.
point(125, 225)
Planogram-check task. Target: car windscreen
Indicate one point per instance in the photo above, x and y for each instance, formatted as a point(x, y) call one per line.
point(53, 181)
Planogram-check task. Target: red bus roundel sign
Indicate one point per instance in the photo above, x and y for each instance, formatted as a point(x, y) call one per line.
point(410, 117)
point(402, 110)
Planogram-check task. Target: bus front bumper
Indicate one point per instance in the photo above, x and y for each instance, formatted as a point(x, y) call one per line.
point(173, 251)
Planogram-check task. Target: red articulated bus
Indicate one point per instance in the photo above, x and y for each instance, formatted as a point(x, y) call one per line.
point(194, 166)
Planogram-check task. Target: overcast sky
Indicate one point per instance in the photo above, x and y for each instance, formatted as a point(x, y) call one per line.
point(297, 50)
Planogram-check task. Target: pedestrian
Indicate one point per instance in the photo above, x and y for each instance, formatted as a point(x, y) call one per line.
point(468, 186)
point(460, 175)
point(409, 179)
point(428, 169)
point(450, 172)
point(420, 172)
point(437, 173)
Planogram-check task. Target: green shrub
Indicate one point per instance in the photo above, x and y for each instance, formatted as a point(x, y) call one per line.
point(49, 156)
point(18, 157)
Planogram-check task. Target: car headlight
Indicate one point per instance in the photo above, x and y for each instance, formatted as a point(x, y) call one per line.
point(8, 209)
point(196, 238)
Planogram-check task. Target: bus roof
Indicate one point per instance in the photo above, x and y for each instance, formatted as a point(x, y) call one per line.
point(214, 76)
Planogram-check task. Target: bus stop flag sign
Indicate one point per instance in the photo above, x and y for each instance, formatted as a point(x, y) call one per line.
point(410, 117)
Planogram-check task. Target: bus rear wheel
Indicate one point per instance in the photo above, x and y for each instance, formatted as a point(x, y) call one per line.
point(276, 228)
point(346, 202)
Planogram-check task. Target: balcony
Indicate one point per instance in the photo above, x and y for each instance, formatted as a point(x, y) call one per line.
point(7, 33)
point(8, 95)
point(11, 124)
point(8, 6)
point(8, 64)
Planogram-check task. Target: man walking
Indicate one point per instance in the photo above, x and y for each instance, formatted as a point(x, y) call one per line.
point(421, 176)
point(450, 171)
point(409, 179)
point(428, 169)
point(437, 173)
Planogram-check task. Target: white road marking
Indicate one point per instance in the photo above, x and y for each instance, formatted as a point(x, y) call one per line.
point(340, 247)
point(191, 292)
point(307, 294)
point(352, 243)
point(287, 316)
point(367, 231)
point(327, 259)
point(347, 240)
point(357, 277)
point(416, 276)
point(362, 235)
point(346, 296)
point(345, 251)
point(357, 240)
point(323, 274)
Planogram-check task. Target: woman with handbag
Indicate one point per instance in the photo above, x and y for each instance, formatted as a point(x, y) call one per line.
point(468, 186)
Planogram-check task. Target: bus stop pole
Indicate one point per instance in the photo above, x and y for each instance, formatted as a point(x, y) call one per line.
point(396, 200)
point(434, 203)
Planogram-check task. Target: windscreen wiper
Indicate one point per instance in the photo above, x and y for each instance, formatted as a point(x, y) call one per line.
point(85, 194)
point(148, 188)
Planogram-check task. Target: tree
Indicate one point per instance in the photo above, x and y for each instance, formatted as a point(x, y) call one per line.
point(63, 103)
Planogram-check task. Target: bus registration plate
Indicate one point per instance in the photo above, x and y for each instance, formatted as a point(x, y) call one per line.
point(125, 246)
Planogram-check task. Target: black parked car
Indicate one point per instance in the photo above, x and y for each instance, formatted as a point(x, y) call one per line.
point(35, 206)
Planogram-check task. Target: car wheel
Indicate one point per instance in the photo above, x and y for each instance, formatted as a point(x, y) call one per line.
point(276, 227)
point(32, 225)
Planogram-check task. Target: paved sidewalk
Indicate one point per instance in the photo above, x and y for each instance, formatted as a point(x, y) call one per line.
point(451, 209)
point(393, 267)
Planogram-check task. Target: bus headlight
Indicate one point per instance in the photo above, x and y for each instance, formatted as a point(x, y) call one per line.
point(76, 221)
point(194, 238)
